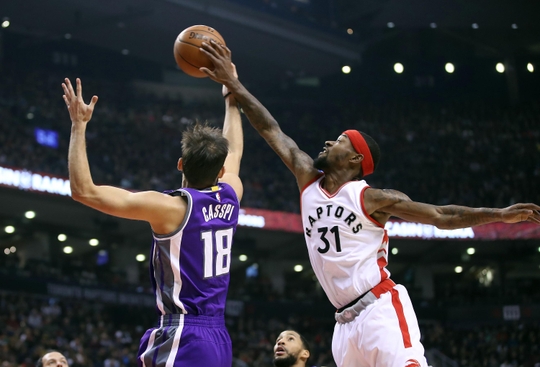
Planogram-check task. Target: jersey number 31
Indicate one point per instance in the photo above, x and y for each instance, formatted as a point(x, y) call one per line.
point(217, 262)
point(323, 231)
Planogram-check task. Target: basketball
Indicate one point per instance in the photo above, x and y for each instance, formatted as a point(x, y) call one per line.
point(187, 54)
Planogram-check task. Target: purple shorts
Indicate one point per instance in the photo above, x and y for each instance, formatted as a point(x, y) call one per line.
point(186, 340)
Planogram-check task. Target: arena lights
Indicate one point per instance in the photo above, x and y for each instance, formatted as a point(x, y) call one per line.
point(499, 67)
point(514, 26)
point(433, 25)
point(458, 269)
point(475, 26)
point(9, 229)
point(449, 67)
point(398, 67)
point(395, 251)
point(530, 67)
point(93, 242)
point(6, 251)
point(471, 250)
point(30, 214)
point(298, 268)
point(390, 25)
point(140, 258)
point(68, 250)
point(346, 69)
point(67, 36)
point(125, 52)
point(5, 23)
point(350, 31)
point(242, 257)
point(538, 249)
point(62, 237)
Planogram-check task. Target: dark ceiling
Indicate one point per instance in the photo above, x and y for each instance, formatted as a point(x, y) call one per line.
point(266, 46)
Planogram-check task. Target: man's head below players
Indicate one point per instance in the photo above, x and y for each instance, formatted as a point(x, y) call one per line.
point(52, 359)
point(291, 350)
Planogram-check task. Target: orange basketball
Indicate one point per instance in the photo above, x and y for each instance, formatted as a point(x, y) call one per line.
point(187, 54)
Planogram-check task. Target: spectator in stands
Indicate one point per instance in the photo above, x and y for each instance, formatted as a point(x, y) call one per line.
point(52, 358)
point(291, 350)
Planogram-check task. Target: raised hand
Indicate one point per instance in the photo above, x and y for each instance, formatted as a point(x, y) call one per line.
point(79, 112)
point(224, 71)
point(521, 213)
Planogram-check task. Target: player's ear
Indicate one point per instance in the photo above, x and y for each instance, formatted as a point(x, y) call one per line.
point(304, 354)
point(180, 165)
point(221, 172)
point(357, 158)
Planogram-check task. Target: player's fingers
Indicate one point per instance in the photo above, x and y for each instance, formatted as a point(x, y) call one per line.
point(212, 57)
point(208, 72)
point(93, 102)
point(219, 48)
point(79, 89)
point(534, 220)
point(227, 51)
point(66, 100)
point(209, 49)
point(66, 90)
point(70, 87)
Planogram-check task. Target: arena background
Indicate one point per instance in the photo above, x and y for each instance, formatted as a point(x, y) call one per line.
point(469, 137)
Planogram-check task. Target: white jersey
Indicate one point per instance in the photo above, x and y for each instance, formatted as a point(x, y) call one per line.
point(347, 248)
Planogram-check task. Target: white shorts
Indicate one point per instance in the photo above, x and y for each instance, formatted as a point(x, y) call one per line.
point(385, 334)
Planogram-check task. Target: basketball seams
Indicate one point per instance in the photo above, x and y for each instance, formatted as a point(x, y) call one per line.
point(182, 57)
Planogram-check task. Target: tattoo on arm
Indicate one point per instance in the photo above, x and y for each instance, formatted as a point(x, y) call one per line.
point(395, 196)
point(456, 216)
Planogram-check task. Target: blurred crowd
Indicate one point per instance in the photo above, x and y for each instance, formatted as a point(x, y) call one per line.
point(472, 153)
point(510, 345)
point(91, 334)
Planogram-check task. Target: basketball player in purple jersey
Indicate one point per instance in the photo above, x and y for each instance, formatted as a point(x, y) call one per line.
point(344, 222)
point(193, 228)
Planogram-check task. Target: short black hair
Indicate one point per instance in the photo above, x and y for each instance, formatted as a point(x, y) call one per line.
point(305, 343)
point(373, 148)
point(204, 150)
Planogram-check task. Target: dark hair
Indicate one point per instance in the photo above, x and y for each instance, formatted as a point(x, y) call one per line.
point(204, 150)
point(373, 148)
point(39, 362)
point(305, 343)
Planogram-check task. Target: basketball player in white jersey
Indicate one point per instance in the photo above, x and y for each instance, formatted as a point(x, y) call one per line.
point(344, 220)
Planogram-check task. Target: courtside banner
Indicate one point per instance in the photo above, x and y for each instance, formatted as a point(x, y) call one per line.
point(290, 222)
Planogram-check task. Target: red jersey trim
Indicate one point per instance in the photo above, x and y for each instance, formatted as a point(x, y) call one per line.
point(330, 196)
point(396, 302)
point(364, 208)
point(310, 182)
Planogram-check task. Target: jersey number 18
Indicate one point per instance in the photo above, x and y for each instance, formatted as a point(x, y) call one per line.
point(221, 241)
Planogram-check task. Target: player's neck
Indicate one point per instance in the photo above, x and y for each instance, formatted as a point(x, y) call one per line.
point(332, 181)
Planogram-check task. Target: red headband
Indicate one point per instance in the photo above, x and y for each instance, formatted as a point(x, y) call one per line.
point(360, 146)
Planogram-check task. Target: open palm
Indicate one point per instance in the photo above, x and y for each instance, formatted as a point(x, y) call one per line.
point(79, 112)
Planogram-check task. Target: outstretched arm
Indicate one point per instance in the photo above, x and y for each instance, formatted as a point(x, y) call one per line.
point(232, 130)
point(300, 164)
point(149, 206)
point(394, 203)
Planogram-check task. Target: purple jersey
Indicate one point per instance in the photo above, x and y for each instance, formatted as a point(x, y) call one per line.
point(189, 268)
